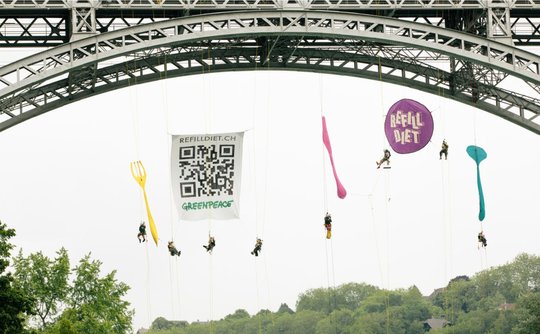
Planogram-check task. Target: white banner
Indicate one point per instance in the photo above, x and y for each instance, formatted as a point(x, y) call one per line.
point(206, 173)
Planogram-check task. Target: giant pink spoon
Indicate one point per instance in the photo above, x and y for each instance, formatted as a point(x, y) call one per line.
point(341, 192)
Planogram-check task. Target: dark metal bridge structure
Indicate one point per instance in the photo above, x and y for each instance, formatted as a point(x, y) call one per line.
point(478, 52)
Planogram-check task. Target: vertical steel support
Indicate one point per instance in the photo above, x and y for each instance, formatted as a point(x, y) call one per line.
point(498, 23)
point(83, 21)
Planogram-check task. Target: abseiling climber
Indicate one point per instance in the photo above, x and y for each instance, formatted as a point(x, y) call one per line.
point(142, 233)
point(444, 150)
point(482, 239)
point(328, 225)
point(172, 249)
point(385, 158)
point(211, 244)
point(258, 247)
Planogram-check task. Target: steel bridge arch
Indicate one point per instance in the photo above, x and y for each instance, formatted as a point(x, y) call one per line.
point(448, 63)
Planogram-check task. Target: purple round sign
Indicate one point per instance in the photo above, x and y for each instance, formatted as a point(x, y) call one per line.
point(408, 126)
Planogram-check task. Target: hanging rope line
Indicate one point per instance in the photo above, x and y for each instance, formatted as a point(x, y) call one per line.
point(263, 216)
point(442, 96)
point(333, 270)
point(178, 290)
point(445, 201)
point(172, 286)
point(267, 286)
point(329, 255)
point(207, 97)
point(444, 219)
point(259, 220)
point(148, 303)
point(267, 145)
point(379, 257)
point(166, 137)
point(211, 269)
point(376, 239)
point(259, 320)
point(134, 111)
point(453, 302)
point(325, 189)
point(254, 185)
point(446, 234)
point(134, 98)
point(387, 199)
point(374, 227)
point(253, 146)
point(382, 136)
point(382, 141)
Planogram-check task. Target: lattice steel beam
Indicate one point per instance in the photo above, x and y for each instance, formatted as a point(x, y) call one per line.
point(270, 4)
point(347, 44)
point(31, 30)
point(198, 59)
point(315, 24)
point(83, 20)
point(512, 21)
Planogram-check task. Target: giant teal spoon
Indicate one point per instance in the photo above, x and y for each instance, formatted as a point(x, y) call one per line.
point(478, 154)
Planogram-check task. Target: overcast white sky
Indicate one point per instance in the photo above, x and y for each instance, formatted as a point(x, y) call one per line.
point(66, 183)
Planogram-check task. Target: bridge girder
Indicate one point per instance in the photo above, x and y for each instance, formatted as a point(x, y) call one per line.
point(364, 46)
point(46, 23)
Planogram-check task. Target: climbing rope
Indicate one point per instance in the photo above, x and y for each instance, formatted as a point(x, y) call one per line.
point(330, 270)
point(207, 125)
point(260, 212)
point(133, 91)
point(262, 215)
point(445, 203)
point(386, 199)
point(173, 264)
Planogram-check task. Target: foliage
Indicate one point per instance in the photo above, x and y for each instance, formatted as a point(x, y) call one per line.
point(500, 300)
point(97, 301)
point(528, 314)
point(15, 305)
point(347, 296)
point(284, 308)
point(161, 323)
point(45, 280)
point(89, 303)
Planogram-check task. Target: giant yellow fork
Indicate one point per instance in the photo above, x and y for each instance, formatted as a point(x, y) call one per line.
point(139, 174)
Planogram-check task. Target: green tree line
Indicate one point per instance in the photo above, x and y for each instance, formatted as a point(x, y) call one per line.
point(501, 300)
point(42, 295)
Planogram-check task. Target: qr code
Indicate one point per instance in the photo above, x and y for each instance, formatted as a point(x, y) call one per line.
point(206, 170)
